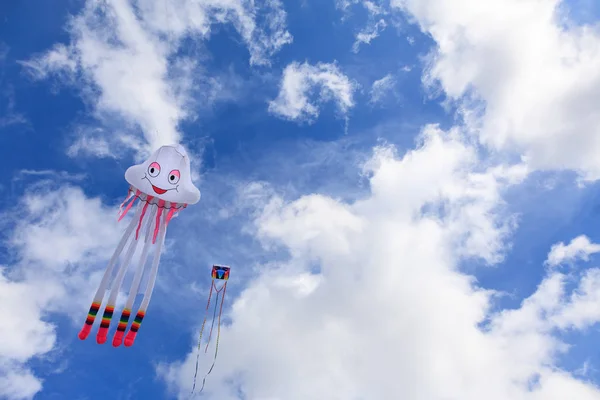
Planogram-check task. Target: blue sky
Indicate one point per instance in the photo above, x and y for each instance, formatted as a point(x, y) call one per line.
point(453, 151)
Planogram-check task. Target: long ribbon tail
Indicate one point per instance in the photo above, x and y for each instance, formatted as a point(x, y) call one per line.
point(218, 336)
point(114, 290)
point(126, 210)
point(146, 204)
point(135, 284)
point(135, 326)
point(127, 198)
point(97, 301)
point(212, 285)
point(214, 318)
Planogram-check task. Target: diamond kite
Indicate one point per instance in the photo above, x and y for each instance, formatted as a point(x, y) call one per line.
point(219, 272)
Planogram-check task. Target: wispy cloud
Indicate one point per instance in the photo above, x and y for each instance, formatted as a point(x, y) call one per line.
point(370, 32)
point(304, 86)
point(261, 24)
point(381, 88)
point(47, 175)
point(376, 23)
point(9, 115)
point(97, 142)
point(127, 64)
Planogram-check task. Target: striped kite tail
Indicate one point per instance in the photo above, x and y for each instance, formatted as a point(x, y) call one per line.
point(135, 326)
point(122, 327)
point(105, 324)
point(89, 321)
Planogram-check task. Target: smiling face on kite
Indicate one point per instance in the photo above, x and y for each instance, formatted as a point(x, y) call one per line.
point(165, 175)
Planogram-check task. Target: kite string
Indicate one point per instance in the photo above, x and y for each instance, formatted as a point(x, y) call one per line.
point(212, 285)
point(218, 336)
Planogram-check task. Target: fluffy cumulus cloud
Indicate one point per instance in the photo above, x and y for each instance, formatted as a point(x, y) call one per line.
point(372, 301)
point(387, 313)
point(578, 248)
point(58, 235)
point(127, 59)
point(305, 86)
point(527, 78)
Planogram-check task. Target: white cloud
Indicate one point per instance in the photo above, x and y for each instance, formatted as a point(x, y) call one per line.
point(21, 344)
point(10, 116)
point(124, 69)
point(381, 87)
point(389, 314)
point(367, 34)
point(536, 74)
point(300, 83)
point(373, 7)
point(344, 5)
point(47, 173)
point(375, 24)
point(18, 384)
point(89, 145)
point(261, 24)
point(58, 236)
point(97, 142)
point(121, 56)
point(583, 307)
point(579, 248)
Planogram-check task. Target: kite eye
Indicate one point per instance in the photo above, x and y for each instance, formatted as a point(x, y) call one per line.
point(154, 169)
point(174, 177)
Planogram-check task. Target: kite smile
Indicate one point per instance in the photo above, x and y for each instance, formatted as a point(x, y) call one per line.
point(159, 190)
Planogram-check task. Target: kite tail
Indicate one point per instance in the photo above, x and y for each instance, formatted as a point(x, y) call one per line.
point(146, 203)
point(161, 204)
point(218, 335)
point(120, 332)
point(212, 285)
point(114, 292)
point(214, 317)
point(135, 326)
point(127, 198)
point(135, 284)
point(124, 212)
point(97, 301)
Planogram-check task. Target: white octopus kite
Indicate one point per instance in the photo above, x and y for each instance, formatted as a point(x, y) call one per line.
point(163, 184)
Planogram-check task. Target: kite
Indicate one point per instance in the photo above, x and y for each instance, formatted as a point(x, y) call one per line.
point(163, 186)
point(219, 272)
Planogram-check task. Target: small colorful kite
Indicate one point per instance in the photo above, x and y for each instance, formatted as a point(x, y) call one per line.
point(161, 183)
point(219, 272)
